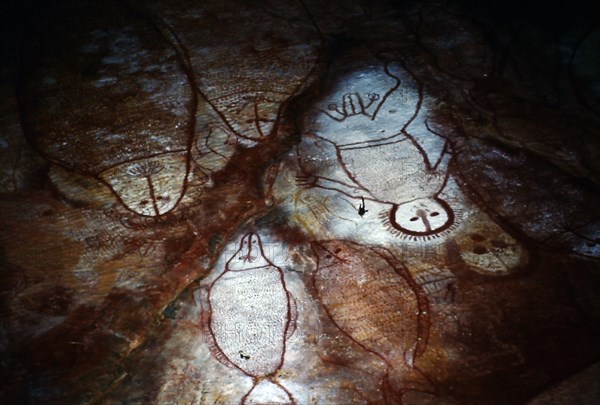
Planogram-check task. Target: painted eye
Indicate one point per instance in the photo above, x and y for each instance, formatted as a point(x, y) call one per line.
point(254, 241)
point(328, 256)
point(143, 202)
point(435, 214)
point(413, 219)
point(338, 250)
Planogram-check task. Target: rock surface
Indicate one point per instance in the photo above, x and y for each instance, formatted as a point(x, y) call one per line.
point(237, 202)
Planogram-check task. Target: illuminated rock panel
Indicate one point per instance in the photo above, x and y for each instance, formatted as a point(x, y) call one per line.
point(231, 202)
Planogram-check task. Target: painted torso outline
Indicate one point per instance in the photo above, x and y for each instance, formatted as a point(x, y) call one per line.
point(372, 298)
point(249, 314)
point(404, 177)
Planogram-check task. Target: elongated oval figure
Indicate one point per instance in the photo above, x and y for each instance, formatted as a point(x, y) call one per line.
point(372, 298)
point(122, 112)
point(250, 315)
point(374, 114)
point(249, 75)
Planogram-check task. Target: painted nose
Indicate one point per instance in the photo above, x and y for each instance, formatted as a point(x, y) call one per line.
point(423, 215)
point(248, 255)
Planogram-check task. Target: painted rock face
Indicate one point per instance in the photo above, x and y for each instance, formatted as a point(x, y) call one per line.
point(379, 306)
point(422, 216)
point(376, 118)
point(250, 103)
point(119, 112)
point(534, 203)
point(146, 186)
point(249, 74)
point(250, 312)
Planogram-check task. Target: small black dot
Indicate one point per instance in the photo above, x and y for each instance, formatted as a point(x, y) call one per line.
point(435, 214)
point(413, 219)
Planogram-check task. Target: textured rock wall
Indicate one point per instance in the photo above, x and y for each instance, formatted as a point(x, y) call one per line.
point(299, 202)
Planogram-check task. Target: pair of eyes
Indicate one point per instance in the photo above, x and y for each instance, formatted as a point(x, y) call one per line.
point(338, 250)
point(433, 214)
point(144, 202)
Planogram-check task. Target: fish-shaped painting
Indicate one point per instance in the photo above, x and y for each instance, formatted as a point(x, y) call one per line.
point(372, 298)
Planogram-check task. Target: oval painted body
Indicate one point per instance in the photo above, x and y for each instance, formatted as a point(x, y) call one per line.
point(375, 114)
point(400, 173)
point(123, 104)
point(249, 319)
point(372, 299)
point(248, 75)
point(250, 311)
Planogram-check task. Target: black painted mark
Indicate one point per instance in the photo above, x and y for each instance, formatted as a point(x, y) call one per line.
point(361, 208)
